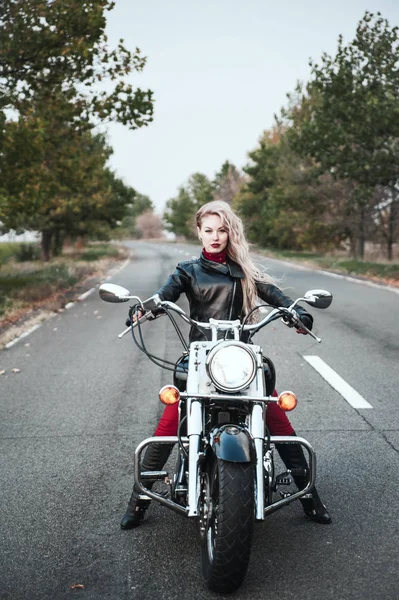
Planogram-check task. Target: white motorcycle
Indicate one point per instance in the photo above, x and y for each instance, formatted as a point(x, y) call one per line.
point(225, 471)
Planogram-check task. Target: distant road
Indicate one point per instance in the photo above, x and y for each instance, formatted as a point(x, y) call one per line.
point(71, 418)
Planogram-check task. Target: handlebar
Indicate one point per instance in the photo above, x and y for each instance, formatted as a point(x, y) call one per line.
point(154, 305)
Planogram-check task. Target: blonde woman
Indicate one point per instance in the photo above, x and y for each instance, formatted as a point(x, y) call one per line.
point(224, 283)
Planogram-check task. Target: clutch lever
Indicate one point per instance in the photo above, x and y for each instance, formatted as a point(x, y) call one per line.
point(145, 317)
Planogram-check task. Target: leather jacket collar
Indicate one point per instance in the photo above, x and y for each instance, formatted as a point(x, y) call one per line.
point(230, 267)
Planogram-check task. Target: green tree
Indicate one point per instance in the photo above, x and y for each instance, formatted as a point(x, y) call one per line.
point(348, 121)
point(59, 76)
point(54, 177)
point(137, 204)
point(62, 43)
point(179, 215)
point(284, 203)
point(254, 199)
point(227, 182)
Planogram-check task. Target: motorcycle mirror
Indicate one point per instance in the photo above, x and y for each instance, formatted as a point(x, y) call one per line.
point(318, 298)
point(110, 292)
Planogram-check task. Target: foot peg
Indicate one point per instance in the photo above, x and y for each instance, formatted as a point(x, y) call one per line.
point(153, 475)
point(284, 478)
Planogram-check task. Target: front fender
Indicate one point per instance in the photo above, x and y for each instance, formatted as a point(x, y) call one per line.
point(233, 443)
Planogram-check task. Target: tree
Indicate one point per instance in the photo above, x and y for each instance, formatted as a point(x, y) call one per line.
point(149, 225)
point(136, 205)
point(227, 183)
point(62, 44)
point(60, 185)
point(59, 76)
point(284, 203)
point(254, 199)
point(348, 121)
point(179, 215)
point(386, 216)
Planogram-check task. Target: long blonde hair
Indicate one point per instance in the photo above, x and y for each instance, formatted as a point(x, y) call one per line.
point(237, 249)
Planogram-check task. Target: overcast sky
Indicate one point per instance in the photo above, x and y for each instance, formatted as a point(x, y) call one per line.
point(220, 70)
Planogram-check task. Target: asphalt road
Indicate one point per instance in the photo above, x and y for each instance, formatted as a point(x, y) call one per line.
point(71, 418)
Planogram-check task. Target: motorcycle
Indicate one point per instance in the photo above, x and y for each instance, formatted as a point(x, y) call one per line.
point(225, 476)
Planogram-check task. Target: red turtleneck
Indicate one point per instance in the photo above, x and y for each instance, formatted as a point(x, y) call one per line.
point(219, 257)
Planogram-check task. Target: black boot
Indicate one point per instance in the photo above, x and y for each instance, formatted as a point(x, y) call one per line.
point(154, 459)
point(135, 511)
point(293, 457)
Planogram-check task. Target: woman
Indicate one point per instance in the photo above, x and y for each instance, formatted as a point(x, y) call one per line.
point(225, 284)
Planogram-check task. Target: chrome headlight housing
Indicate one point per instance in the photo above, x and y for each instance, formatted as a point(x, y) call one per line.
point(231, 366)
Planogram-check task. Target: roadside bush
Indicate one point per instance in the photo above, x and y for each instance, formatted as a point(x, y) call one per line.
point(28, 252)
point(97, 252)
point(8, 250)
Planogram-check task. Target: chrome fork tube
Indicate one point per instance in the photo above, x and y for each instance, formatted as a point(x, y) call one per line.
point(258, 434)
point(194, 430)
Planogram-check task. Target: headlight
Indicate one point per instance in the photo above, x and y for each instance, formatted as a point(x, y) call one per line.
point(231, 366)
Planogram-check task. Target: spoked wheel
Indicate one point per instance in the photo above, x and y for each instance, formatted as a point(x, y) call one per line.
point(226, 524)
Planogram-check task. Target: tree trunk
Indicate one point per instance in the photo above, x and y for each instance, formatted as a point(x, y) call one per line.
point(392, 222)
point(46, 245)
point(57, 243)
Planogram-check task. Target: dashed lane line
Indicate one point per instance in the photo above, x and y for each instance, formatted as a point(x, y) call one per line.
point(340, 385)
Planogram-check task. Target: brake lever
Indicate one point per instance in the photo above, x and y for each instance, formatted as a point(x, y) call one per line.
point(295, 321)
point(309, 332)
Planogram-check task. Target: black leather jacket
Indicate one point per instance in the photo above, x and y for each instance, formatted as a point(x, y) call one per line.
point(214, 290)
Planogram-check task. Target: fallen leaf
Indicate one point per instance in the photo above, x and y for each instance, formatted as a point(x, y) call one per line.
point(77, 586)
point(16, 370)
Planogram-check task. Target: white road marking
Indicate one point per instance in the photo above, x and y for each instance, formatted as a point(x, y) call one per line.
point(86, 294)
point(347, 391)
point(23, 335)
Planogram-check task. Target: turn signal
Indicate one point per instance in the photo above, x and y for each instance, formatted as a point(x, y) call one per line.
point(169, 394)
point(287, 401)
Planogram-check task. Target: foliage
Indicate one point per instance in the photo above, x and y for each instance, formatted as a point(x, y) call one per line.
point(59, 77)
point(179, 215)
point(27, 252)
point(8, 250)
point(23, 285)
point(137, 204)
point(55, 180)
point(227, 183)
point(62, 45)
point(283, 202)
point(348, 121)
point(95, 252)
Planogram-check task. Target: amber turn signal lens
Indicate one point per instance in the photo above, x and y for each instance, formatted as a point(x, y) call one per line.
point(287, 401)
point(169, 394)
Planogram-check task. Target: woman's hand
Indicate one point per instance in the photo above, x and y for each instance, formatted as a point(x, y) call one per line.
point(307, 321)
point(134, 315)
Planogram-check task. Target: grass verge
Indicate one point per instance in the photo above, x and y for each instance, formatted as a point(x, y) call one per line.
point(380, 271)
point(31, 285)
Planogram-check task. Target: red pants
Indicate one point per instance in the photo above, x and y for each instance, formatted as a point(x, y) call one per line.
point(276, 420)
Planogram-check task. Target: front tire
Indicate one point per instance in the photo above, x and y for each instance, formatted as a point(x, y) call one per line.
point(228, 496)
